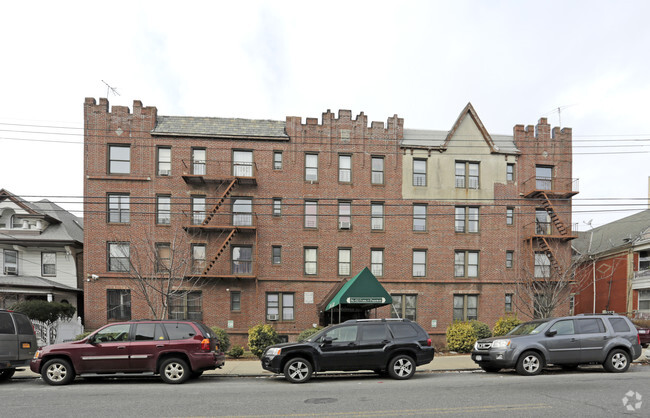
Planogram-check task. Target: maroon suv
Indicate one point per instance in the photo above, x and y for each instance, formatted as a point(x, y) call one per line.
point(176, 350)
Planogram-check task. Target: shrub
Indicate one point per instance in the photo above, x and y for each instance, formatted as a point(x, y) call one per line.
point(308, 333)
point(482, 329)
point(224, 339)
point(47, 312)
point(504, 325)
point(260, 337)
point(82, 336)
point(643, 323)
point(236, 351)
point(461, 337)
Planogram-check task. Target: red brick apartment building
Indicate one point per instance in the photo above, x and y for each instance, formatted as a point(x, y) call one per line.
point(276, 216)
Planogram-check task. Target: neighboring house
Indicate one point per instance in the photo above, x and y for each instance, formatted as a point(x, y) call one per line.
point(41, 252)
point(283, 217)
point(617, 267)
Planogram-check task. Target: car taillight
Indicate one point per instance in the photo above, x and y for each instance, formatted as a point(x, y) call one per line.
point(205, 344)
point(429, 342)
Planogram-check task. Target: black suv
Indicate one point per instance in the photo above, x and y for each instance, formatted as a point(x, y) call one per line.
point(610, 340)
point(393, 346)
point(17, 342)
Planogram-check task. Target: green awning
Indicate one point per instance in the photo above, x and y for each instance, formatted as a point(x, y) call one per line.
point(364, 291)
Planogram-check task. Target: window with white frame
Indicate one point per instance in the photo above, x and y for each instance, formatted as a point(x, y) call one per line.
point(345, 220)
point(118, 304)
point(543, 177)
point(242, 259)
point(48, 263)
point(280, 306)
point(235, 300)
point(163, 257)
point(542, 265)
point(508, 302)
point(119, 159)
point(377, 261)
point(510, 172)
point(198, 258)
point(164, 161)
point(467, 175)
point(419, 263)
point(644, 300)
point(345, 168)
point(644, 260)
point(377, 167)
point(466, 219)
point(277, 160)
point(188, 305)
point(276, 254)
point(119, 208)
point(542, 222)
point(311, 214)
point(510, 216)
point(163, 209)
point(198, 161)
point(404, 306)
point(466, 263)
point(419, 217)
point(242, 163)
point(118, 256)
point(377, 216)
point(510, 255)
point(465, 307)
point(242, 211)
point(419, 172)
point(10, 262)
point(345, 261)
point(198, 210)
point(277, 206)
point(311, 260)
point(311, 167)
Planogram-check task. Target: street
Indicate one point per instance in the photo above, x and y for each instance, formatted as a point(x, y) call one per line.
point(587, 392)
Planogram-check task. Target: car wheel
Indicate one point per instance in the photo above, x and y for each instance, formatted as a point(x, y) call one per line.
point(401, 367)
point(6, 374)
point(174, 370)
point(298, 370)
point(490, 369)
point(57, 372)
point(530, 364)
point(617, 361)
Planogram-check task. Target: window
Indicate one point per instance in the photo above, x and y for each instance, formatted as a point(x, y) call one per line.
point(467, 175)
point(419, 217)
point(242, 211)
point(11, 262)
point(345, 168)
point(277, 160)
point(510, 216)
point(619, 324)
point(164, 161)
point(198, 258)
point(277, 206)
point(242, 260)
point(311, 214)
point(149, 332)
point(377, 216)
point(572, 304)
point(377, 261)
point(510, 172)
point(114, 333)
point(198, 161)
point(564, 327)
point(542, 265)
point(119, 159)
point(242, 163)
point(343, 334)
point(590, 326)
point(508, 307)
point(419, 263)
point(377, 167)
point(311, 261)
point(345, 220)
point(404, 306)
point(235, 301)
point(118, 208)
point(543, 177)
point(186, 306)
point(118, 304)
point(179, 331)
point(644, 260)
point(48, 264)
point(163, 210)
point(118, 256)
point(466, 219)
point(465, 307)
point(644, 300)
point(279, 307)
point(466, 264)
point(276, 254)
point(509, 259)
point(163, 257)
point(198, 210)
point(542, 222)
point(345, 256)
point(311, 167)
point(419, 172)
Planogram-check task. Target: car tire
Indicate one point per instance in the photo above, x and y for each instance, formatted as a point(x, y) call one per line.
point(401, 367)
point(618, 361)
point(530, 363)
point(298, 370)
point(490, 369)
point(6, 374)
point(57, 372)
point(174, 370)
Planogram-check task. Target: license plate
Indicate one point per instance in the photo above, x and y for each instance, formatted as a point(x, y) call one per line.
point(479, 358)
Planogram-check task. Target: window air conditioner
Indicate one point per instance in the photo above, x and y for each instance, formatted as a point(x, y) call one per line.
point(10, 270)
point(165, 172)
point(344, 225)
point(272, 317)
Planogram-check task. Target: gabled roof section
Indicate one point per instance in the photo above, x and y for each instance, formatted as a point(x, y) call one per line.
point(623, 233)
point(469, 110)
point(5, 194)
point(221, 127)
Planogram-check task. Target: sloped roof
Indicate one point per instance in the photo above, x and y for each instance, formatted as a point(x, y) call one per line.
point(34, 282)
point(220, 127)
point(621, 233)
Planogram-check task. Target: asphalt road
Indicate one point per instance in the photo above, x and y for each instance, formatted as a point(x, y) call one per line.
point(586, 392)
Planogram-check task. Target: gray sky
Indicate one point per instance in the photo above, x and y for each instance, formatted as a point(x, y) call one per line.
point(516, 61)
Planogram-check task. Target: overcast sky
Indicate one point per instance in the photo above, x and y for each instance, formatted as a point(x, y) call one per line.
point(515, 61)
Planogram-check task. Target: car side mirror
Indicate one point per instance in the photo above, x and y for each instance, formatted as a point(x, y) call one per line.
point(91, 340)
point(551, 333)
point(328, 340)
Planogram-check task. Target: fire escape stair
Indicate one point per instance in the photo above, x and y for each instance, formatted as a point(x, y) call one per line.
point(220, 251)
point(551, 255)
point(222, 199)
point(548, 206)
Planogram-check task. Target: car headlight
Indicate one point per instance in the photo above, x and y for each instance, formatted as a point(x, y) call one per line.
point(37, 354)
point(273, 351)
point(501, 344)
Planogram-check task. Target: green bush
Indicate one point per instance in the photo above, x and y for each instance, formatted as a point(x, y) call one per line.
point(260, 337)
point(504, 325)
point(482, 329)
point(236, 351)
point(82, 336)
point(224, 339)
point(47, 312)
point(461, 337)
point(308, 333)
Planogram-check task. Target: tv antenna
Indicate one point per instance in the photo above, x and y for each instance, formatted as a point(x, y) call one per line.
point(559, 112)
point(110, 89)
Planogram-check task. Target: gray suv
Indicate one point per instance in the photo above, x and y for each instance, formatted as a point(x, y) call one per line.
point(610, 340)
point(17, 342)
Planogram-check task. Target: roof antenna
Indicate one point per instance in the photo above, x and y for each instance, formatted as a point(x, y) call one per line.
point(559, 112)
point(110, 89)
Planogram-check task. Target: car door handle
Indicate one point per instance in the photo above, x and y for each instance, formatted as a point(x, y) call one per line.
point(385, 341)
point(573, 340)
point(351, 345)
point(121, 347)
point(159, 346)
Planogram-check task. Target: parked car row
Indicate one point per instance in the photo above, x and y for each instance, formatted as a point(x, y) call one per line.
point(179, 350)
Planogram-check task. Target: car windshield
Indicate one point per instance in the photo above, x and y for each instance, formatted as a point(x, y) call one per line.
point(529, 328)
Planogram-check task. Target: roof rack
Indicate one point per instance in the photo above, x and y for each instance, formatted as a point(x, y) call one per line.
point(598, 313)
